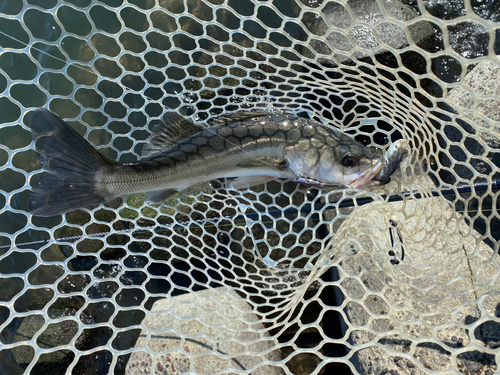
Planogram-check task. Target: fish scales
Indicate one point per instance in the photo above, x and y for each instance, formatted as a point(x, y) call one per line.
point(252, 147)
point(214, 153)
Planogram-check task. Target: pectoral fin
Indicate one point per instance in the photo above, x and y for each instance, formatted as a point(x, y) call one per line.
point(249, 181)
point(264, 162)
point(159, 195)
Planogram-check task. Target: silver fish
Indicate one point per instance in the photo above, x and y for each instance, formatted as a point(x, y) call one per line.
point(396, 152)
point(254, 147)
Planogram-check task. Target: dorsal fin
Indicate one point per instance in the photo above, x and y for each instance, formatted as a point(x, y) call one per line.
point(231, 118)
point(171, 129)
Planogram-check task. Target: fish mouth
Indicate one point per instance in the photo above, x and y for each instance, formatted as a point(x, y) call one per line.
point(367, 176)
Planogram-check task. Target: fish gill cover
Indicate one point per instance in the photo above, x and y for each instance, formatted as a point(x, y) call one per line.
point(281, 277)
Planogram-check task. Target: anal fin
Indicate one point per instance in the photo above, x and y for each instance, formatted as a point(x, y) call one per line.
point(249, 181)
point(159, 195)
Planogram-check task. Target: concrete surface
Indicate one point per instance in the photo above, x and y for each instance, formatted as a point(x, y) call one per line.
point(203, 332)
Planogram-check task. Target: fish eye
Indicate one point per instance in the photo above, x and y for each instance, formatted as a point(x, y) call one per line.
point(349, 160)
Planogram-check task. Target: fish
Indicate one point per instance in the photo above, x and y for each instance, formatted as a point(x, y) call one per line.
point(252, 147)
point(392, 159)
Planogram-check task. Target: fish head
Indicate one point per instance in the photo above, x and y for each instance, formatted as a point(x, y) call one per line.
point(343, 161)
point(358, 165)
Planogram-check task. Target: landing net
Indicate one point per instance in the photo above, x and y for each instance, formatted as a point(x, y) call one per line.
point(279, 278)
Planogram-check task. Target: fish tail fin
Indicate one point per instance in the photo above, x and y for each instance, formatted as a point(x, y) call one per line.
point(70, 167)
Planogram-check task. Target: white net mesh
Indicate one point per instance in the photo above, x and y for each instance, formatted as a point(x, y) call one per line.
point(279, 278)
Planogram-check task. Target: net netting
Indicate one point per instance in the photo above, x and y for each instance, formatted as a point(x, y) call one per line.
point(279, 278)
